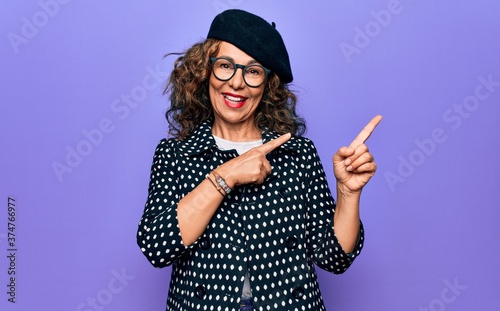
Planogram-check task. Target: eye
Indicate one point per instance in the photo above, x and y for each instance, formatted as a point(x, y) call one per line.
point(255, 71)
point(224, 64)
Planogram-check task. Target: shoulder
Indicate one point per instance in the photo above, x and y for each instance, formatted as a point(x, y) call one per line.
point(299, 144)
point(303, 145)
point(197, 142)
point(165, 144)
point(303, 141)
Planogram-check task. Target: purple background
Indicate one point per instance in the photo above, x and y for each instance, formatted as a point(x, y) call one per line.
point(71, 70)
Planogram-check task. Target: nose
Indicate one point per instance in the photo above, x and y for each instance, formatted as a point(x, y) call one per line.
point(237, 81)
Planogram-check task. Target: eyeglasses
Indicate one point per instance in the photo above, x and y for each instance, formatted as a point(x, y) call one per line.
point(224, 69)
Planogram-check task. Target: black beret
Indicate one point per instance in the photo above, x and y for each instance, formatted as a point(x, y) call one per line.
point(254, 36)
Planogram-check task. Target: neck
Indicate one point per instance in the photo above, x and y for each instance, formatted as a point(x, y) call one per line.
point(236, 132)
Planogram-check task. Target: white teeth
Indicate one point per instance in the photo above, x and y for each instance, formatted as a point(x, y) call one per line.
point(234, 99)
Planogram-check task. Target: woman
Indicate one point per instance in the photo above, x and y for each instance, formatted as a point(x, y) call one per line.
point(238, 200)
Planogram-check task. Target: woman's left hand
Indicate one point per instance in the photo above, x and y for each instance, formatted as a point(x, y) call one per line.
point(353, 166)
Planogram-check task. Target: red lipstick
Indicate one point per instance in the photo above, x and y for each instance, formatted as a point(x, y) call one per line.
point(234, 100)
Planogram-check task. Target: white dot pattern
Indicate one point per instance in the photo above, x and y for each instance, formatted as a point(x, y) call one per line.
point(277, 230)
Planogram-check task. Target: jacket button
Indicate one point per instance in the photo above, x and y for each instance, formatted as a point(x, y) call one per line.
point(284, 192)
point(291, 242)
point(205, 243)
point(200, 291)
point(298, 292)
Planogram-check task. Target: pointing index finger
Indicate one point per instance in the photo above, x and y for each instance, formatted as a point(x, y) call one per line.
point(275, 143)
point(365, 132)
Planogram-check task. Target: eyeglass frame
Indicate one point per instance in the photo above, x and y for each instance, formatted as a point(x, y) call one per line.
point(236, 66)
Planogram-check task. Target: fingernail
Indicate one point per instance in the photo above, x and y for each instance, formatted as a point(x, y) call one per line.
point(349, 168)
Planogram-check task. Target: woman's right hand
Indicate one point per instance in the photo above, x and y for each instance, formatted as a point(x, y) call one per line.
point(252, 167)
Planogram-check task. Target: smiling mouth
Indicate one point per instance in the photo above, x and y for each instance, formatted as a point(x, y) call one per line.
point(234, 101)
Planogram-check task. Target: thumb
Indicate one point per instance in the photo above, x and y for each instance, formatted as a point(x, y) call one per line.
point(342, 153)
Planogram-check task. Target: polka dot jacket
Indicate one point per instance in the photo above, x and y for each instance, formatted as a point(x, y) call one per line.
point(277, 230)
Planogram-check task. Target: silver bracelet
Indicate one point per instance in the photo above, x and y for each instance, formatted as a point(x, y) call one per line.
point(219, 189)
point(221, 182)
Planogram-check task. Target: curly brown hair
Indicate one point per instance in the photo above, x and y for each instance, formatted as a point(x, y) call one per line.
point(190, 102)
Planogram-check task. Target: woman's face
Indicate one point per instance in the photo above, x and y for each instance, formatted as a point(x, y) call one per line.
point(234, 103)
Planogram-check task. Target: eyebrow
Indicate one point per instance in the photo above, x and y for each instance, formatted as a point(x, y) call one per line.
point(251, 62)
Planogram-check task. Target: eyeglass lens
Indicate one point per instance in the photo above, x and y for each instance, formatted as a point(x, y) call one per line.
point(224, 69)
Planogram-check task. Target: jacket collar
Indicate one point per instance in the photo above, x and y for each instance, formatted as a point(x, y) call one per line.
point(202, 140)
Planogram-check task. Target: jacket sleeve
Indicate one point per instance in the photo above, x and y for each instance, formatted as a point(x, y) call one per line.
point(326, 250)
point(158, 235)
